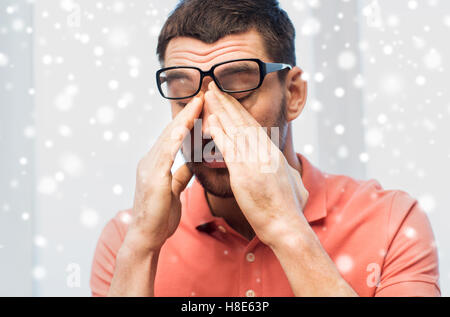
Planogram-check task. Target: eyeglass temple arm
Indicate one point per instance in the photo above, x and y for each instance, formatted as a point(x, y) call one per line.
point(274, 67)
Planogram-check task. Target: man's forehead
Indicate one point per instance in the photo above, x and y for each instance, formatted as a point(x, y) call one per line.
point(190, 51)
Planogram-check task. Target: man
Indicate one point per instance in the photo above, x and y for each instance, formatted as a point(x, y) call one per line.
point(259, 219)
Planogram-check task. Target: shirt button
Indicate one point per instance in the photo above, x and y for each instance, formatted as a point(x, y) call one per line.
point(250, 257)
point(250, 293)
point(222, 229)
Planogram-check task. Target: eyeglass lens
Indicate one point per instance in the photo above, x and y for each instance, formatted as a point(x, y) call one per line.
point(235, 76)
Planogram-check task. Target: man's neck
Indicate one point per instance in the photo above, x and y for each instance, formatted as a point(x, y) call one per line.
point(228, 208)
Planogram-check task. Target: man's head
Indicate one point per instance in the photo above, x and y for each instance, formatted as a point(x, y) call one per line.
point(203, 33)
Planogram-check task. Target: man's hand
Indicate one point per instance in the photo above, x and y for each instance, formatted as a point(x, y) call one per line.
point(156, 210)
point(268, 190)
point(272, 200)
point(157, 206)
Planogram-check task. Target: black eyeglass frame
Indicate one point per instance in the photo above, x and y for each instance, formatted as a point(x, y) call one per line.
point(264, 69)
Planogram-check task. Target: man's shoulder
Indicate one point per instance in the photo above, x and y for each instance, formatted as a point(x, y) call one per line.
point(367, 195)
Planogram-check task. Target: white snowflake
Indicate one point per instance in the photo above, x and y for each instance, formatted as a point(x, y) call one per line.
point(105, 115)
point(359, 81)
point(125, 218)
point(344, 263)
point(317, 106)
point(40, 241)
point(23, 161)
point(433, 59)
point(59, 176)
point(382, 118)
point(39, 272)
point(4, 59)
point(308, 148)
point(99, 51)
point(339, 129)
point(447, 20)
point(113, 84)
point(11, 9)
point(25, 216)
point(427, 202)
point(347, 60)
point(319, 77)
point(67, 5)
point(118, 38)
point(392, 84)
point(421, 80)
point(339, 92)
point(71, 164)
point(108, 135)
point(419, 42)
point(364, 157)
point(47, 59)
point(117, 189)
point(47, 186)
point(124, 136)
point(311, 26)
point(413, 4)
point(65, 130)
point(118, 7)
point(64, 101)
point(374, 137)
point(388, 49)
point(18, 25)
point(410, 232)
point(342, 152)
point(89, 217)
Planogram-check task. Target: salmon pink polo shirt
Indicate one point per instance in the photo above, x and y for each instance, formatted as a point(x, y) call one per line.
point(380, 241)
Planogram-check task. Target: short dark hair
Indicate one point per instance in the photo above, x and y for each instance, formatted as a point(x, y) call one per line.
point(211, 20)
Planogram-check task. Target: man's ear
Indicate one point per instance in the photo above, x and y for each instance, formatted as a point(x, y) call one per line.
point(296, 93)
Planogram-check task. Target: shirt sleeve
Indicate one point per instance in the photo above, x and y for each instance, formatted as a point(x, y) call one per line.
point(411, 262)
point(104, 260)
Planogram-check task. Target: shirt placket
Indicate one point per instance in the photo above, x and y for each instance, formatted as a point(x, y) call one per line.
point(250, 257)
point(250, 262)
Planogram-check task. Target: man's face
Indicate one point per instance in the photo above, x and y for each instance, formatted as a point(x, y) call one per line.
point(266, 104)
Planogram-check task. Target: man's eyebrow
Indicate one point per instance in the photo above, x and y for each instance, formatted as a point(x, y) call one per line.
point(235, 69)
point(176, 74)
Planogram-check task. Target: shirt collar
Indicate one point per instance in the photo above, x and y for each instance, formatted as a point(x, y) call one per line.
point(202, 219)
point(315, 183)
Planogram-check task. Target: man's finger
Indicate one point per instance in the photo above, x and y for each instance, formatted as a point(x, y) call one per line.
point(170, 141)
point(217, 107)
point(234, 108)
point(221, 139)
point(180, 179)
point(186, 118)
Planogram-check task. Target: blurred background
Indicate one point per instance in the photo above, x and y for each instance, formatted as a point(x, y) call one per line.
point(79, 108)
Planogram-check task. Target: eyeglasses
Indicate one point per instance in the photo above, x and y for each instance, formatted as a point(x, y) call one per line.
point(235, 76)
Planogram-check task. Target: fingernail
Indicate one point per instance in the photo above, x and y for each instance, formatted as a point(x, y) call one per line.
point(211, 85)
point(212, 118)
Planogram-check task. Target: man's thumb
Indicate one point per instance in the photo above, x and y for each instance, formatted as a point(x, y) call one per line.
point(180, 179)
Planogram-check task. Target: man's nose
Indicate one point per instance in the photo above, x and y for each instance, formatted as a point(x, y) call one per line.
point(205, 113)
point(204, 117)
point(205, 83)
